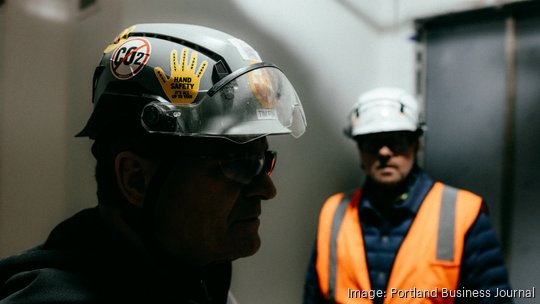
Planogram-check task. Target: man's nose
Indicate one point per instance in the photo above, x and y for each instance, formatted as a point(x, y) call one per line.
point(385, 152)
point(262, 187)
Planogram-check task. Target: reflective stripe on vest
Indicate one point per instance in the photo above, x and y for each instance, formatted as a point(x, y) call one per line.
point(447, 215)
point(428, 259)
point(336, 225)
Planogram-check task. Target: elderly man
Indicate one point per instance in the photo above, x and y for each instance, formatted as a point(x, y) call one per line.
point(402, 237)
point(181, 115)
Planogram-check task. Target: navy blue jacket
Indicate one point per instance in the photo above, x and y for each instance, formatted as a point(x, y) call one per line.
point(482, 266)
point(84, 260)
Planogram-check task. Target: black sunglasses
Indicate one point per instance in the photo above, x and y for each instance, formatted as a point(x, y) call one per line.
point(398, 142)
point(244, 168)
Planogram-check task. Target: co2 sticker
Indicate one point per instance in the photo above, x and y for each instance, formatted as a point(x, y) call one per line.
point(130, 57)
point(183, 85)
point(119, 39)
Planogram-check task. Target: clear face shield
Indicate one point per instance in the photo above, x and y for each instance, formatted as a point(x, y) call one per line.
point(247, 104)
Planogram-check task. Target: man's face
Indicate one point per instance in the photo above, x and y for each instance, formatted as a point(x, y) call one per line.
point(204, 215)
point(388, 157)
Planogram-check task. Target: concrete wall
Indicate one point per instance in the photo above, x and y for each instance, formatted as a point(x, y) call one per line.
point(330, 50)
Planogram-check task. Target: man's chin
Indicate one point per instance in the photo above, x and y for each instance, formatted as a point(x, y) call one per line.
point(242, 254)
point(249, 248)
point(245, 247)
point(387, 180)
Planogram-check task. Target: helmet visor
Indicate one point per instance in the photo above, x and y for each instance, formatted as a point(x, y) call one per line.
point(244, 107)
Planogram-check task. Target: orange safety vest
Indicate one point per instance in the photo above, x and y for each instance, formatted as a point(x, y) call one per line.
point(426, 268)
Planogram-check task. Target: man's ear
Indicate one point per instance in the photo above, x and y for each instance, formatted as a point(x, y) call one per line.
point(133, 174)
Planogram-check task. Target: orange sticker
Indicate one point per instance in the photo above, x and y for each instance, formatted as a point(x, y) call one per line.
point(119, 39)
point(261, 86)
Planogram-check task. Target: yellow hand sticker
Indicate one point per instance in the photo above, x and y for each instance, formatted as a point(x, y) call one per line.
point(183, 86)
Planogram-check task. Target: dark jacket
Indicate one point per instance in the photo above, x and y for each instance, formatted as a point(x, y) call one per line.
point(384, 229)
point(85, 260)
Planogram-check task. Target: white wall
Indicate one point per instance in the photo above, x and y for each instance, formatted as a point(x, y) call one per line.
point(33, 134)
point(45, 173)
point(330, 50)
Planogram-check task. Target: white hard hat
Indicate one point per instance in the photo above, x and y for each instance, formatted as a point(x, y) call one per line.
point(384, 109)
point(193, 81)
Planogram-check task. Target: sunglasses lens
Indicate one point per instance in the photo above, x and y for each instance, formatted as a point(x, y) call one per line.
point(270, 158)
point(398, 144)
point(244, 169)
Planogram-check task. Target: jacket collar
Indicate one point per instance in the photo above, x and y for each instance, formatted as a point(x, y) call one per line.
point(418, 184)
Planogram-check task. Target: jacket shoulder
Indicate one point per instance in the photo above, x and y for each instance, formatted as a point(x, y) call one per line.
point(37, 276)
point(47, 285)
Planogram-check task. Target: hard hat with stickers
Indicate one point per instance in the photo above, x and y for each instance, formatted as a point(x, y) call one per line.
point(196, 81)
